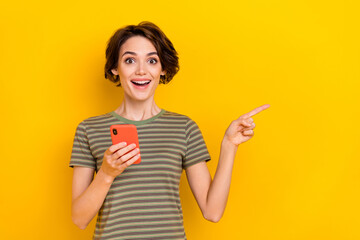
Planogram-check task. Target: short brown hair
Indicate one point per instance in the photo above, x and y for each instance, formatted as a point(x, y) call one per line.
point(164, 47)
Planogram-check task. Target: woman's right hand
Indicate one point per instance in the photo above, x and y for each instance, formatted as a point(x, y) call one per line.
point(118, 157)
point(88, 193)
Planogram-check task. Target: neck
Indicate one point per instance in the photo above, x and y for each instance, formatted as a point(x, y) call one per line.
point(138, 111)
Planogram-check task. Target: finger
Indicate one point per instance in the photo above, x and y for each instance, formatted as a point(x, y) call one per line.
point(245, 123)
point(115, 147)
point(248, 127)
point(251, 126)
point(255, 111)
point(123, 150)
point(248, 133)
point(132, 160)
point(124, 158)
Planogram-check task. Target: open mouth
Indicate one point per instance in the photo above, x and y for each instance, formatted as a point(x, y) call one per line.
point(141, 83)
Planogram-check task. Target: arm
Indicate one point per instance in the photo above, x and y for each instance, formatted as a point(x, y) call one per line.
point(88, 195)
point(212, 196)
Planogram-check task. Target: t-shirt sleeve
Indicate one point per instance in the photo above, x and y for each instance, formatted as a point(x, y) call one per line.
point(81, 154)
point(196, 149)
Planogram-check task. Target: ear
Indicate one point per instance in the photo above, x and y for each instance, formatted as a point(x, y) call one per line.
point(163, 73)
point(115, 71)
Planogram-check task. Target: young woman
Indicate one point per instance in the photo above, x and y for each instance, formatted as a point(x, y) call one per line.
point(141, 201)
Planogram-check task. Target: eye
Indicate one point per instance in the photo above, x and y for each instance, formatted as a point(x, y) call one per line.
point(129, 60)
point(153, 61)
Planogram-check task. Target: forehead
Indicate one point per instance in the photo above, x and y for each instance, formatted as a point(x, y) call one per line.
point(137, 44)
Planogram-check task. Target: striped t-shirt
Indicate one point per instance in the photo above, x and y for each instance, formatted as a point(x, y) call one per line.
point(143, 201)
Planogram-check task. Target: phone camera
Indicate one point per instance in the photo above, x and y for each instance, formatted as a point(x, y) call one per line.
point(115, 131)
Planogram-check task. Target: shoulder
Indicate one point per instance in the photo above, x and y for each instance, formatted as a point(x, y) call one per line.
point(94, 121)
point(98, 118)
point(174, 115)
point(187, 122)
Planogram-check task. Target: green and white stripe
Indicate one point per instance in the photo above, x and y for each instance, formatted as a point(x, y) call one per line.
point(143, 202)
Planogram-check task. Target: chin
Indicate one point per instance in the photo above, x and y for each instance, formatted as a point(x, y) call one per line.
point(140, 98)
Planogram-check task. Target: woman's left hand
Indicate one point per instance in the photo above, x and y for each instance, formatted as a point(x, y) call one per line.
point(241, 129)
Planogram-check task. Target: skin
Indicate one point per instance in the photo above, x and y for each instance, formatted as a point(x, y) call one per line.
point(138, 59)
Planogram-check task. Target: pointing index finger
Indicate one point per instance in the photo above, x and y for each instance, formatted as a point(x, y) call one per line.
point(255, 111)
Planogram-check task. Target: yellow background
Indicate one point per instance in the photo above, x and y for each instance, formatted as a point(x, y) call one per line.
point(297, 178)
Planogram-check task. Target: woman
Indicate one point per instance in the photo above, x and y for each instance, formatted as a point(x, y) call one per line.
point(141, 201)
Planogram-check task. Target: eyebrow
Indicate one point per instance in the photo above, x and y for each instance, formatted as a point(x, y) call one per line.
point(133, 53)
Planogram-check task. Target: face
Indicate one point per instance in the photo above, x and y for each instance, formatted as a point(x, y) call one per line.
point(139, 68)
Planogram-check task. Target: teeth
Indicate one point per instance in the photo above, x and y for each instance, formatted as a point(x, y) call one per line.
point(141, 82)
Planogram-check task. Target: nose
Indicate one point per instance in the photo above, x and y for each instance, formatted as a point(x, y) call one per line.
point(140, 70)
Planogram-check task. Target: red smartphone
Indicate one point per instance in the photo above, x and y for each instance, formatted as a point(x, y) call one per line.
point(125, 133)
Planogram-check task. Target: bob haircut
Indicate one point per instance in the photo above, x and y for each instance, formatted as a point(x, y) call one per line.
point(165, 50)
